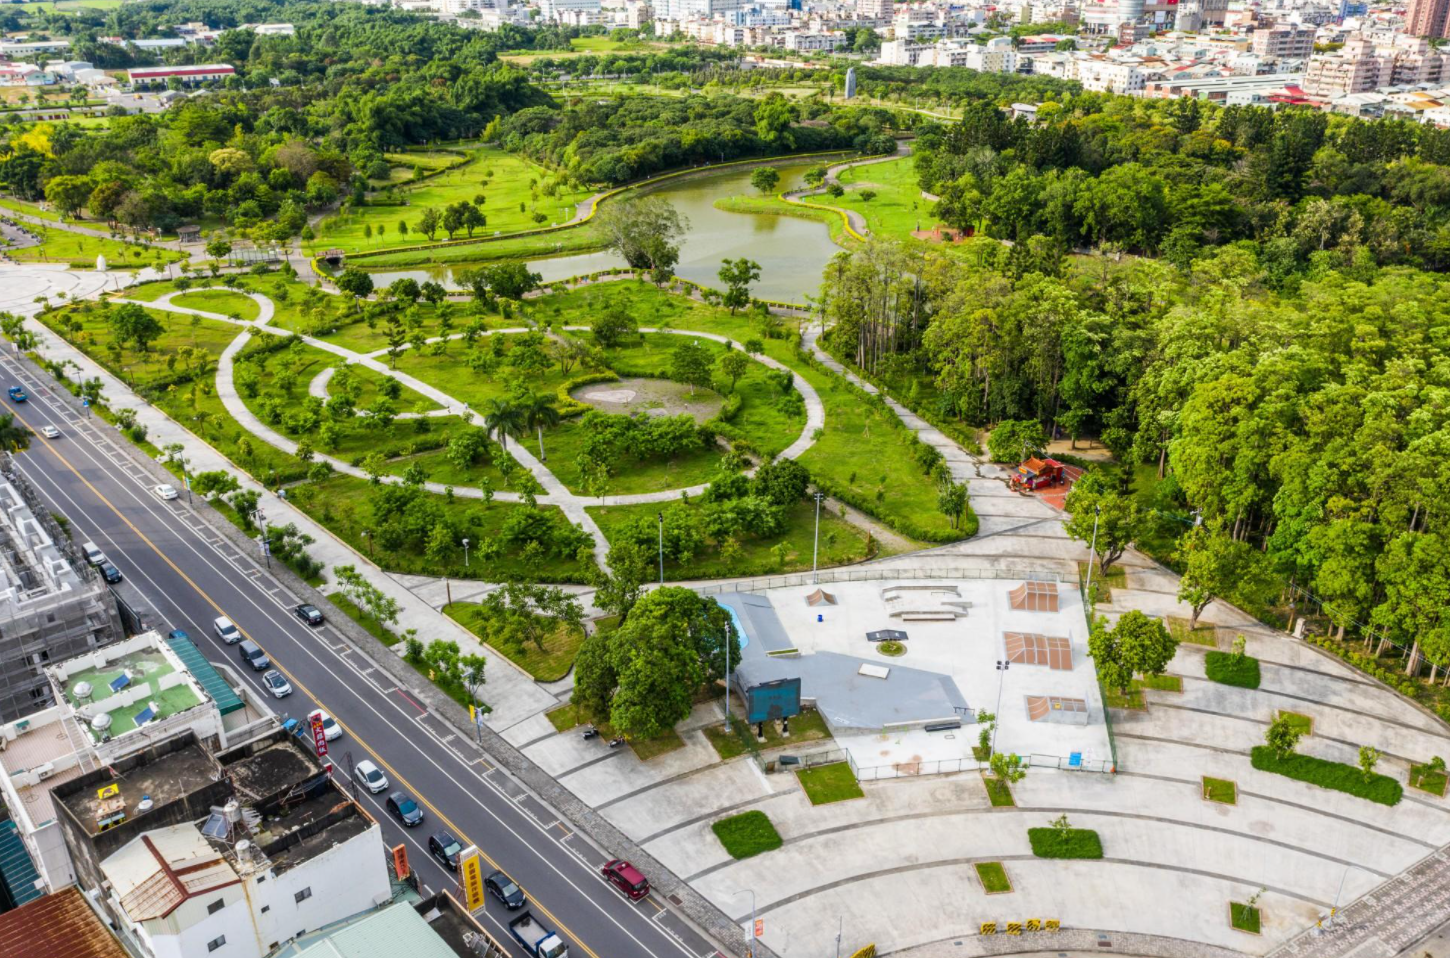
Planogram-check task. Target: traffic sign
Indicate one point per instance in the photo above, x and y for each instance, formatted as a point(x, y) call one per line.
point(759, 927)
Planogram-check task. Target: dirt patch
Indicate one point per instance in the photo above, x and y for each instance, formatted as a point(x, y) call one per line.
point(653, 397)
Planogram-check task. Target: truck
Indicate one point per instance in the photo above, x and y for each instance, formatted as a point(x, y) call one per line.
point(536, 939)
point(17, 394)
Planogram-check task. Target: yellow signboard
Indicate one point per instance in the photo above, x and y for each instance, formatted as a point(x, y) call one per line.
point(470, 870)
point(107, 791)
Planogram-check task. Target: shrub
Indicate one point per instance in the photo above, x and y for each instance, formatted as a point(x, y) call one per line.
point(1327, 774)
point(1229, 669)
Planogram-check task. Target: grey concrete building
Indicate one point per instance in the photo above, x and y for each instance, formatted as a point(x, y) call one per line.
point(53, 605)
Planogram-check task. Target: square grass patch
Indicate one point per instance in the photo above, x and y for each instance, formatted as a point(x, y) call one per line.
point(563, 718)
point(1203, 635)
point(1065, 843)
point(649, 748)
point(825, 784)
point(1160, 683)
point(993, 878)
point(747, 834)
point(1428, 779)
point(998, 791)
point(1220, 790)
point(1225, 668)
point(1298, 720)
point(1242, 917)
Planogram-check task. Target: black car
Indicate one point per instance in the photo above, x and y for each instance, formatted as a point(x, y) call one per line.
point(503, 888)
point(445, 848)
point(406, 810)
point(110, 573)
point(253, 655)
point(308, 613)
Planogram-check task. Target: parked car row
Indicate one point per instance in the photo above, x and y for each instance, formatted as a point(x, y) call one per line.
point(97, 558)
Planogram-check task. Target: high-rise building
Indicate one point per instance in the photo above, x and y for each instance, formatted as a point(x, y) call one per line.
point(1426, 18)
point(876, 9)
point(53, 605)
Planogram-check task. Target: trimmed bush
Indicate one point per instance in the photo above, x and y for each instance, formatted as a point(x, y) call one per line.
point(1229, 669)
point(1327, 774)
point(568, 405)
point(1069, 843)
point(746, 834)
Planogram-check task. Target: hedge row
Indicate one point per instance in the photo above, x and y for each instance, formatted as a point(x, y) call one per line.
point(1327, 774)
point(568, 405)
point(1370, 666)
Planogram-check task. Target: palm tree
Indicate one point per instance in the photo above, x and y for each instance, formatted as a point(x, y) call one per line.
point(502, 418)
point(13, 438)
point(538, 412)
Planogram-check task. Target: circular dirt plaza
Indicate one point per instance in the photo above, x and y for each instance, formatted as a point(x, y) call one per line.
point(653, 397)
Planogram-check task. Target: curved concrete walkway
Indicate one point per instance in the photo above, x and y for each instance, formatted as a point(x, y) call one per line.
point(553, 492)
point(857, 221)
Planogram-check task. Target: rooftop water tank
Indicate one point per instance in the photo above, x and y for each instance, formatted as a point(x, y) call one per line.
point(82, 690)
point(101, 722)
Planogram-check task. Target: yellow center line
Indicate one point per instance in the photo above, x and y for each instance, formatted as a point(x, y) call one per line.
point(560, 926)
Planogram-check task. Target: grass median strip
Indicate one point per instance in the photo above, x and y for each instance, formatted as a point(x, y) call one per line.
point(1220, 790)
point(1327, 774)
point(747, 834)
point(993, 878)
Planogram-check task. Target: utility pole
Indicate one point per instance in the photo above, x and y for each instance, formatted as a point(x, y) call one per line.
point(661, 517)
point(1002, 665)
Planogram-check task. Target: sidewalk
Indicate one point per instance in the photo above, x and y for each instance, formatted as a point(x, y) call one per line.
point(511, 692)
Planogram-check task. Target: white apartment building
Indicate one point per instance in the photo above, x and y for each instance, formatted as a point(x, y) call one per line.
point(1284, 41)
point(1110, 76)
point(814, 42)
point(570, 11)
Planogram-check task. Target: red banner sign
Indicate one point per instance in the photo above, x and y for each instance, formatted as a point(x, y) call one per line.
point(319, 737)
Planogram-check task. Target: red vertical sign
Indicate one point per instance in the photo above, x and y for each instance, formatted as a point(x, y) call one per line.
point(319, 737)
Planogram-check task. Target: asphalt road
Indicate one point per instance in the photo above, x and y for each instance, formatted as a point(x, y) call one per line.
point(188, 575)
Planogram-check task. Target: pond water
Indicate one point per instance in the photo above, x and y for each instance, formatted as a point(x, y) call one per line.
point(792, 252)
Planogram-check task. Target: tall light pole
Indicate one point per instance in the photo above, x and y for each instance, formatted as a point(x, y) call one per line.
point(465, 552)
point(751, 935)
point(1092, 554)
point(1002, 665)
point(816, 546)
point(661, 517)
point(729, 634)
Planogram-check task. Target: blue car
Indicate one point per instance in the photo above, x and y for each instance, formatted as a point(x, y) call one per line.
point(17, 394)
point(178, 634)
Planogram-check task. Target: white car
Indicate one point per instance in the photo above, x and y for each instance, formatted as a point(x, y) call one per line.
point(276, 683)
point(371, 778)
point(166, 491)
point(94, 555)
point(226, 630)
point(330, 729)
point(49, 431)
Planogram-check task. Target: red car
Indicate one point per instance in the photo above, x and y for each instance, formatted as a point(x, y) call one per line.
point(624, 876)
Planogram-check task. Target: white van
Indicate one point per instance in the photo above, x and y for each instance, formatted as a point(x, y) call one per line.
point(93, 554)
point(226, 631)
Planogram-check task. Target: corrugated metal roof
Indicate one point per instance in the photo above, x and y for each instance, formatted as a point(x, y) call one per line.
point(396, 930)
point(16, 869)
point(62, 925)
point(226, 699)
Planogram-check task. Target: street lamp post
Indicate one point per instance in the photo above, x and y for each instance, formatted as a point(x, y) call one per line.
point(1002, 665)
point(465, 553)
point(369, 540)
point(661, 517)
point(751, 935)
point(1092, 553)
point(816, 546)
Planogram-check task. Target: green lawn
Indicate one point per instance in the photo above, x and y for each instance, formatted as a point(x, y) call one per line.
point(1068, 843)
point(829, 783)
point(841, 543)
point(898, 206)
point(1220, 790)
point(219, 301)
point(993, 878)
point(87, 325)
point(427, 159)
point(747, 834)
point(564, 717)
point(771, 203)
point(80, 251)
point(549, 664)
point(1298, 720)
point(583, 238)
point(1428, 779)
point(504, 179)
point(1244, 917)
point(805, 727)
point(1229, 669)
point(998, 791)
point(1202, 635)
point(29, 209)
point(1326, 774)
point(378, 631)
point(343, 504)
point(1133, 699)
point(646, 749)
point(863, 456)
point(1103, 585)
